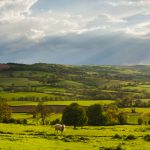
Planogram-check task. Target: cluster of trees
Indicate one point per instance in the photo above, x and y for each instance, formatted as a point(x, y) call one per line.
point(131, 102)
point(140, 103)
point(76, 115)
point(6, 113)
point(95, 115)
point(39, 99)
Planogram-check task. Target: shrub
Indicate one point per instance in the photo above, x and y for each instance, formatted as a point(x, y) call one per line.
point(140, 121)
point(117, 136)
point(18, 121)
point(118, 147)
point(133, 110)
point(149, 122)
point(24, 121)
point(55, 121)
point(130, 137)
point(12, 120)
point(147, 137)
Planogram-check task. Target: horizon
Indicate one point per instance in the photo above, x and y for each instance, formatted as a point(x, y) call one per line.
point(74, 64)
point(77, 32)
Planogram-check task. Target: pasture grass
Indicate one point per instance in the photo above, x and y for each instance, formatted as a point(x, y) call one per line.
point(21, 115)
point(33, 137)
point(36, 121)
point(80, 102)
point(10, 96)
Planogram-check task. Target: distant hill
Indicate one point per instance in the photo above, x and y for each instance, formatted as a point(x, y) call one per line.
point(71, 82)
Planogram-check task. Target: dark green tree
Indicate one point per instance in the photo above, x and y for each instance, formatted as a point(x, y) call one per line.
point(74, 115)
point(95, 115)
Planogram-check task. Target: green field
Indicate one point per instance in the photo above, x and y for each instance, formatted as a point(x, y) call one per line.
point(21, 115)
point(36, 121)
point(81, 102)
point(9, 96)
point(23, 137)
point(138, 110)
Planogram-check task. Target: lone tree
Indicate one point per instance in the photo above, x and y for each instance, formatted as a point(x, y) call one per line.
point(43, 111)
point(5, 111)
point(74, 115)
point(95, 115)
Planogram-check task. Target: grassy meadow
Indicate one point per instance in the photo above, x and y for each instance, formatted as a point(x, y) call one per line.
point(31, 137)
point(81, 102)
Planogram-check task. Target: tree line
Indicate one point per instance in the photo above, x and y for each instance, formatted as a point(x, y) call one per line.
point(74, 114)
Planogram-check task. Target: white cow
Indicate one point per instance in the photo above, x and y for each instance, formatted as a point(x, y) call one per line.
point(59, 127)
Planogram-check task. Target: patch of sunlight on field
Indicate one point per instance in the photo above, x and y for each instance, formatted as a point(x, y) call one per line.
point(52, 117)
point(21, 115)
point(137, 109)
point(81, 102)
point(10, 96)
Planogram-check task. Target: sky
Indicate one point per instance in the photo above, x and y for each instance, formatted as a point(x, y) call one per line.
point(95, 32)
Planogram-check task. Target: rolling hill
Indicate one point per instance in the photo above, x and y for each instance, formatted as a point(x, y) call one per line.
point(52, 82)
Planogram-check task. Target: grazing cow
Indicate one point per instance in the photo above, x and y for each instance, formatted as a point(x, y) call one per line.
point(59, 127)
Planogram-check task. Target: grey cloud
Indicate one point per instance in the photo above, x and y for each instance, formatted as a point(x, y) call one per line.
point(92, 32)
point(84, 49)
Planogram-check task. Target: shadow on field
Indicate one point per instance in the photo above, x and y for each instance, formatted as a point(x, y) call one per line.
point(64, 138)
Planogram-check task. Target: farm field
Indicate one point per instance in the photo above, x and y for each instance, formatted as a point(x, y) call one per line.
point(37, 121)
point(81, 102)
point(138, 110)
point(22, 137)
point(15, 95)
